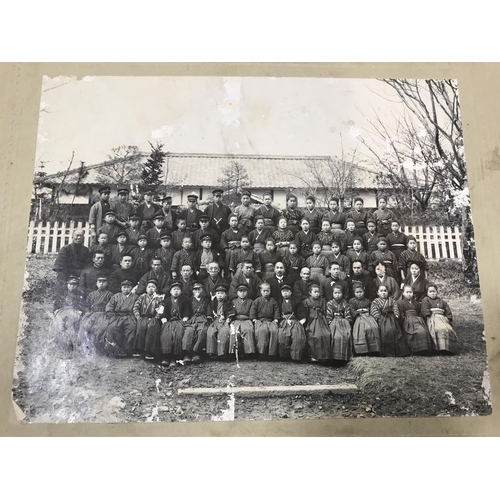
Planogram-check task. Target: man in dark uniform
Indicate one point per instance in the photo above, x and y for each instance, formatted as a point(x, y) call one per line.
point(89, 275)
point(192, 214)
point(277, 280)
point(147, 210)
point(123, 208)
point(170, 215)
point(361, 276)
point(98, 210)
point(204, 230)
point(218, 213)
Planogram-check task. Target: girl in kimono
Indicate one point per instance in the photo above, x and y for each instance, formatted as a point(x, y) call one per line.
point(383, 217)
point(268, 258)
point(219, 332)
point(305, 238)
point(265, 316)
point(386, 256)
point(195, 330)
point(382, 278)
point(418, 335)
point(342, 260)
point(242, 322)
point(357, 253)
point(385, 310)
point(313, 214)
point(325, 237)
point(417, 281)
point(370, 238)
point(359, 215)
point(336, 218)
point(410, 255)
point(365, 331)
point(312, 315)
point(241, 255)
point(283, 236)
point(439, 321)
point(259, 235)
point(350, 234)
point(269, 213)
point(318, 264)
point(68, 310)
point(147, 311)
point(292, 339)
point(230, 240)
point(245, 212)
point(176, 312)
point(338, 315)
point(120, 334)
point(293, 262)
point(93, 324)
point(292, 214)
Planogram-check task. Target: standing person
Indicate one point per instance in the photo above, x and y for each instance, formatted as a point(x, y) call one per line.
point(204, 256)
point(370, 238)
point(170, 217)
point(165, 252)
point(268, 212)
point(359, 215)
point(97, 211)
point(417, 281)
point(439, 319)
point(349, 234)
point(283, 237)
point(119, 248)
point(336, 218)
point(342, 260)
point(245, 212)
point(242, 323)
point(383, 217)
point(292, 214)
point(365, 331)
point(258, 236)
point(122, 208)
point(147, 312)
point(205, 230)
point(305, 239)
point(397, 241)
point(102, 246)
point(120, 333)
point(265, 315)
point(292, 339)
point(141, 255)
point(326, 238)
point(71, 259)
point(382, 254)
point(385, 310)
point(411, 254)
point(185, 256)
point(110, 227)
point(338, 316)
point(268, 259)
point(191, 214)
point(313, 214)
point(419, 338)
point(357, 253)
point(179, 234)
point(230, 241)
point(135, 230)
point(242, 254)
point(219, 333)
point(147, 210)
point(155, 232)
point(293, 262)
point(246, 277)
point(218, 213)
point(89, 275)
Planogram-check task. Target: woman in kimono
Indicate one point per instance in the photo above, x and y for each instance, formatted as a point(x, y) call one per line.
point(336, 218)
point(147, 311)
point(292, 214)
point(418, 335)
point(382, 278)
point(365, 331)
point(219, 332)
point(94, 323)
point(357, 253)
point(68, 310)
point(338, 316)
point(265, 315)
point(312, 315)
point(326, 238)
point(245, 212)
point(417, 281)
point(292, 339)
point(385, 310)
point(259, 235)
point(439, 321)
point(242, 323)
point(269, 213)
point(283, 237)
point(359, 215)
point(120, 334)
point(268, 259)
point(318, 264)
point(230, 240)
point(176, 313)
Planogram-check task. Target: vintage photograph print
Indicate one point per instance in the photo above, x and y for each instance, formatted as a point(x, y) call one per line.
point(235, 248)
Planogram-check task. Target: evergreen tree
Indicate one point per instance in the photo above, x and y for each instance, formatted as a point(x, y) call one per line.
point(152, 170)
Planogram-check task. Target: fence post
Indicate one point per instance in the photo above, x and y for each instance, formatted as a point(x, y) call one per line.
point(458, 239)
point(55, 237)
point(450, 242)
point(38, 237)
point(63, 234)
point(31, 231)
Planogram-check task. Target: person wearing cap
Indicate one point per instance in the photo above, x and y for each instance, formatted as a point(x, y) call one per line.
point(313, 214)
point(88, 276)
point(411, 254)
point(191, 214)
point(218, 213)
point(141, 255)
point(277, 280)
point(268, 212)
point(134, 230)
point(110, 227)
point(98, 209)
point(125, 272)
point(119, 337)
point(359, 215)
point(219, 332)
point(71, 259)
point(166, 251)
point(68, 309)
point(195, 331)
point(123, 208)
point(245, 212)
point(176, 313)
point(169, 215)
point(292, 339)
point(245, 335)
point(119, 248)
point(154, 233)
point(156, 273)
point(147, 313)
point(204, 256)
point(259, 235)
point(147, 210)
point(93, 323)
point(205, 230)
point(292, 213)
point(246, 277)
point(265, 315)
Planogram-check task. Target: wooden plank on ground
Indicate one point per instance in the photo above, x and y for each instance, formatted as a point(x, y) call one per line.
point(274, 390)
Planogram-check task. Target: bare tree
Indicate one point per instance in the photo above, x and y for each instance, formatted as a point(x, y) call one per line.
point(124, 166)
point(234, 178)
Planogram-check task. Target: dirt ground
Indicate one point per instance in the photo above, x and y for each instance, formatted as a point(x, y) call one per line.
point(54, 386)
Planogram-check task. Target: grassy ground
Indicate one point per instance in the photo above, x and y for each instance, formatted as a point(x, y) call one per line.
point(54, 386)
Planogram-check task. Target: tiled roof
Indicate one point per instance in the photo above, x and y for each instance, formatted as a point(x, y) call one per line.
point(203, 170)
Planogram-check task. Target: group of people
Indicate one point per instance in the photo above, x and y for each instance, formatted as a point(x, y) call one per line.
point(302, 285)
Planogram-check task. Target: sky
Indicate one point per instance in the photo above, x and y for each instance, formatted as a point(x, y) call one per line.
point(265, 116)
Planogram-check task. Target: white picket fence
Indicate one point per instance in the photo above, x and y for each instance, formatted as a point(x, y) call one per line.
point(435, 242)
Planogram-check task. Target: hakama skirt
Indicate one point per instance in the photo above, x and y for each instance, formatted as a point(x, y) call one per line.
point(319, 338)
point(292, 340)
point(65, 327)
point(341, 339)
point(93, 327)
point(171, 336)
point(393, 338)
point(266, 337)
point(246, 336)
point(366, 335)
point(442, 333)
point(147, 337)
point(195, 335)
point(218, 335)
point(120, 335)
point(419, 338)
